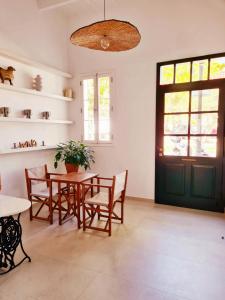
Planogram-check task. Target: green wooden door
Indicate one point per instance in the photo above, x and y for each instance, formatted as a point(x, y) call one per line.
point(190, 145)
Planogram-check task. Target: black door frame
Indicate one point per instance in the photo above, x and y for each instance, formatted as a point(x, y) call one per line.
point(197, 85)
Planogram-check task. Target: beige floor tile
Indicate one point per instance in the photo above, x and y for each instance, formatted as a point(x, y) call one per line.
point(111, 288)
point(45, 278)
point(160, 253)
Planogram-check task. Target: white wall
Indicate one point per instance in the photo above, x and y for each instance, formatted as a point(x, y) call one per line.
point(40, 36)
point(170, 30)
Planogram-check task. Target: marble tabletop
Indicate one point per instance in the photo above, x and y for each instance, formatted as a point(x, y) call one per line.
point(10, 206)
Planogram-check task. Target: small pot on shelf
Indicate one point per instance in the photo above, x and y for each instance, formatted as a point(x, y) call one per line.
point(71, 168)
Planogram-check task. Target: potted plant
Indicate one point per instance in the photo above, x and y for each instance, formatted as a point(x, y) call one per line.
point(74, 154)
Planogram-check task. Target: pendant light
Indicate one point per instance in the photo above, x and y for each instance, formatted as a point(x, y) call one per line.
point(108, 35)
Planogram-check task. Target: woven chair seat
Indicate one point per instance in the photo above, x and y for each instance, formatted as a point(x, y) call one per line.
point(45, 192)
point(102, 198)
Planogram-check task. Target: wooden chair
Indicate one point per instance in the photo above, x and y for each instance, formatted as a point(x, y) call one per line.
point(41, 191)
point(103, 203)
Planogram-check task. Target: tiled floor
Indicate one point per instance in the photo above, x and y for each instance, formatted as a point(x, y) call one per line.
point(160, 253)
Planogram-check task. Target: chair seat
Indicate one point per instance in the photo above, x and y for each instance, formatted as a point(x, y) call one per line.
point(101, 198)
point(45, 192)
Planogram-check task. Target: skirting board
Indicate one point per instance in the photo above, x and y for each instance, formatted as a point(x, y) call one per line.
point(140, 199)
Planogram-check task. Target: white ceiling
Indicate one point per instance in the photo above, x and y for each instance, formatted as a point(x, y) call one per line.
point(114, 8)
point(80, 7)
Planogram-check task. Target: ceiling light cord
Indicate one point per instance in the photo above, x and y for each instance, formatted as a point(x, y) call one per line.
point(104, 10)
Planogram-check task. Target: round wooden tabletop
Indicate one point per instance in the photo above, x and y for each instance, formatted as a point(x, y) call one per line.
point(10, 206)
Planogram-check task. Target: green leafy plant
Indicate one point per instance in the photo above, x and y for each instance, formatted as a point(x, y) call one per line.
point(75, 153)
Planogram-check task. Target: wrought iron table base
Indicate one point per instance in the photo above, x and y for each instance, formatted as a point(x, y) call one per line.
point(10, 239)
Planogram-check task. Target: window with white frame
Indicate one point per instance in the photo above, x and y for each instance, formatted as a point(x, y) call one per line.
point(97, 108)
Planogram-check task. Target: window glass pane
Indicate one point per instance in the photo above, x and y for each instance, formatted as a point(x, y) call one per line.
point(176, 102)
point(89, 130)
point(166, 74)
point(176, 124)
point(104, 87)
point(217, 68)
point(205, 100)
point(88, 89)
point(175, 145)
point(89, 122)
point(183, 72)
point(200, 70)
point(204, 123)
point(203, 146)
point(104, 108)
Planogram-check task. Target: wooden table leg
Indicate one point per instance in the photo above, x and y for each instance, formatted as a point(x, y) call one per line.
point(60, 203)
point(92, 190)
point(78, 206)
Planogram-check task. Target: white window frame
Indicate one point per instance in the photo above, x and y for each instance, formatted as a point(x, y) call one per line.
point(95, 76)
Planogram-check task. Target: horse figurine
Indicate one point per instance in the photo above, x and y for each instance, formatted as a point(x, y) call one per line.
point(7, 74)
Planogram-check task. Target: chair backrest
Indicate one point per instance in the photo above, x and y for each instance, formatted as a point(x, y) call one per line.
point(39, 173)
point(119, 183)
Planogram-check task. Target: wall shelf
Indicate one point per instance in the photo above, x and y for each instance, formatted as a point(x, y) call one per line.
point(24, 120)
point(29, 149)
point(32, 63)
point(12, 88)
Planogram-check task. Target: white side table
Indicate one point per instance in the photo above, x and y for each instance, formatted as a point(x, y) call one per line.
point(11, 231)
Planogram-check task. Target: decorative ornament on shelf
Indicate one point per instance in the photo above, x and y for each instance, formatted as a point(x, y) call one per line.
point(46, 115)
point(26, 144)
point(4, 111)
point(7, 74)
point(37, 83)
point(108, 35)
point(27, 113)
point(68, 92)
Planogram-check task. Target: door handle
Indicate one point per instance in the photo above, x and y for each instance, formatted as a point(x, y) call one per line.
point(160, 152)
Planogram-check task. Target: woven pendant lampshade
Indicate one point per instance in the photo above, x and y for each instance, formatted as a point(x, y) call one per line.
point(107, 35)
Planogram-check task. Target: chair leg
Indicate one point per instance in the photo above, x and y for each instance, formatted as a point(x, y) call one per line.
point(60, 208)
point(99, 215)
point(110, 223)
point(50, 211)
point(84, 217)
point(31, 211)
point(122, 211)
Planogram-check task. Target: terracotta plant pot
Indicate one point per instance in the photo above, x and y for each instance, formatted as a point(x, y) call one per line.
point(71, 168)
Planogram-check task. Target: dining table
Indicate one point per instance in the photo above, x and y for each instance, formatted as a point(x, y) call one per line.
point(69, 187)
point(11, 232)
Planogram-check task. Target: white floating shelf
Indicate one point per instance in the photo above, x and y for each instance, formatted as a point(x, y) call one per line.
point(12, 88)
point(18, 150)
point(24, 120)
point(32, 63)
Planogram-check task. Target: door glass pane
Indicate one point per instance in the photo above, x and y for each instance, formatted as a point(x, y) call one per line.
point(204, 123)
point(166, 74)
point(175, 145)
point(200, 70)
point(176, 124)
point(183, 72)
point(217, 68)
point(205, 100)
point(89, 122)
point(176, 102)
point(203, 146)
point(104, 108)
